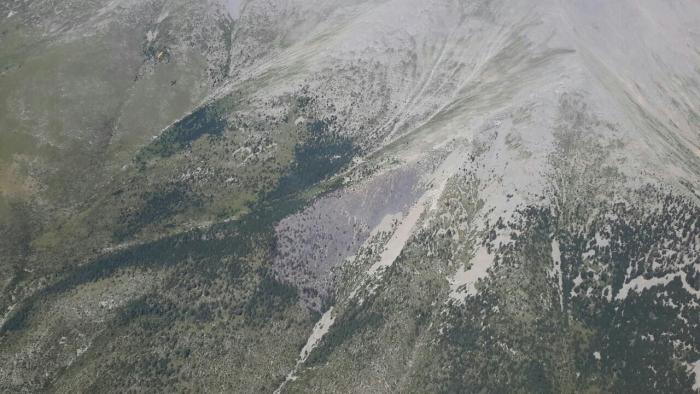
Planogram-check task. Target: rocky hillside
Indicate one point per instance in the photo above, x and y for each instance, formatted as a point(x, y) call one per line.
point(350, 196)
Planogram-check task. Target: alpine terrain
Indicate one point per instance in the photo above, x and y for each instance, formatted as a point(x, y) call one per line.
point(350, 196)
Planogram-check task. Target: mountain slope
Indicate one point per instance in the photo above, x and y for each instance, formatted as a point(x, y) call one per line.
point(366, 196)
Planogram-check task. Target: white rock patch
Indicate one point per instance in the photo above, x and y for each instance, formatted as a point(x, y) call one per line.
point(463, 283)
